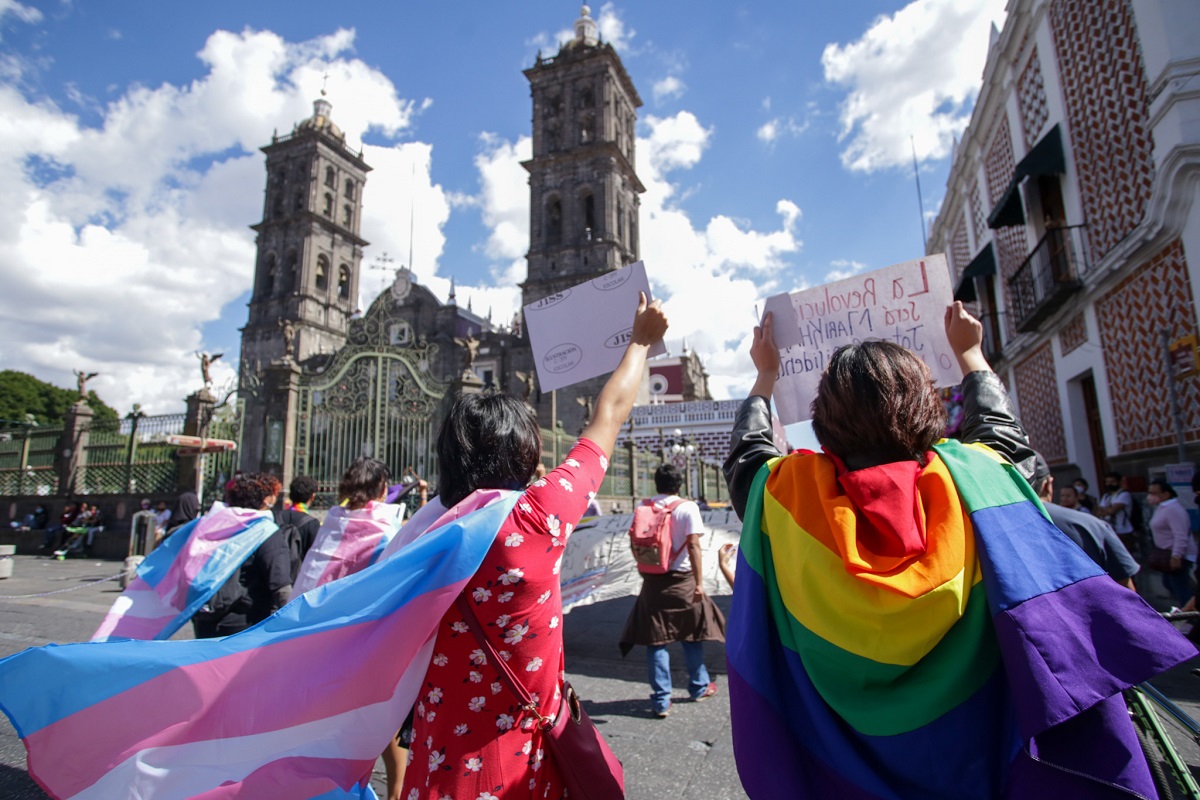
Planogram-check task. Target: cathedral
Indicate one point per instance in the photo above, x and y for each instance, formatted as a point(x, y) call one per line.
point(321, 384)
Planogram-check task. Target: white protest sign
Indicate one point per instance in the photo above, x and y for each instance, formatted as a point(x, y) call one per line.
point(904, 303)
point(583, 331)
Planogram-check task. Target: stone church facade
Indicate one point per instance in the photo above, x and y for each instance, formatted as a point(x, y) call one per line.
point(584, 203)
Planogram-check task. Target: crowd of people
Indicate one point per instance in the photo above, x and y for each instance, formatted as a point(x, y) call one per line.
point(890, 592)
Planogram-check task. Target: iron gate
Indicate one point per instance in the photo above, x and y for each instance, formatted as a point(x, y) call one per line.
point(380, 402)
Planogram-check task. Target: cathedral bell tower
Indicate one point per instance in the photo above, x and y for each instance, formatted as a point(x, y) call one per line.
point(306, 275)
point(582, 184)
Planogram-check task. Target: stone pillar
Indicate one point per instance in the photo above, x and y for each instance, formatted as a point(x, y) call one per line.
point(72, 448)
point(200, 409)
point(281, 384)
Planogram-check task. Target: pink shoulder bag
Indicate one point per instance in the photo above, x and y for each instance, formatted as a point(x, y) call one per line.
point(588, 766)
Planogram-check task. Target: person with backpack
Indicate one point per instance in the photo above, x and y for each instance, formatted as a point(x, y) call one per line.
point(302, 490)
point(1118, 508)
point(672, 605)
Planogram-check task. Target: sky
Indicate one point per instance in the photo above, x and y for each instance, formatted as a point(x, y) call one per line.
point(776, 142)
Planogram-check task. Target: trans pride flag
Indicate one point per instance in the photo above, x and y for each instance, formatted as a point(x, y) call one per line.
point(295, 707)
point(184, 571)
point(348, 541)
point(977, 653)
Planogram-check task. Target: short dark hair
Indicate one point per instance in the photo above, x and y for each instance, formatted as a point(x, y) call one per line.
point(488, 440)
point(1112, 473)
point(1082, 480)
point(302, 489)
point(1164, 487)
point(364, 480)
point(668, 479)
point(876, 400)
point(249, 491)
point(1069, 487)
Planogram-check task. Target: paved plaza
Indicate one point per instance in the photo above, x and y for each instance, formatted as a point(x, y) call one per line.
point(689, 755)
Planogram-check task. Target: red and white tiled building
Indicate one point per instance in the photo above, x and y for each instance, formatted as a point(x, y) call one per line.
point(1071, 221)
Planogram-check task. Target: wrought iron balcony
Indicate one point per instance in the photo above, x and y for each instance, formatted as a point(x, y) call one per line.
point(993, 337)
point(1048, 277)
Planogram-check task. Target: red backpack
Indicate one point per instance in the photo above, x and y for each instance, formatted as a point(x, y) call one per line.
point(650, 537)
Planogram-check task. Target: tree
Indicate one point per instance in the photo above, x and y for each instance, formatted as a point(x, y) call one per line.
point(21, 394)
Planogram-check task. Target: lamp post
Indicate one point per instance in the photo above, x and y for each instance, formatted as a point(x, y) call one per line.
point(679, 449)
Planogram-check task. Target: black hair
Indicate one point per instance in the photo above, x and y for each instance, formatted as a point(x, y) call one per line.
point(302, 489)
point(363, 481)
point(1082, 480)
point(251, 491)
point(1164, 487)
point(1113, 474)
point(488, 440)
point(668, 479)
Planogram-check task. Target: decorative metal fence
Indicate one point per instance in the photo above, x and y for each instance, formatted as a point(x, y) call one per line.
point(27, 454)
point(130, 455)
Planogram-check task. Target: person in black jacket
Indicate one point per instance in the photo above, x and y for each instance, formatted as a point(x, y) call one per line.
point(302, 490)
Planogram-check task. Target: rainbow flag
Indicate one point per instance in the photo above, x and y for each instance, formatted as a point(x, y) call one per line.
point(179, 576)
point(295, 707)
point(348, 541)
point(975, 653)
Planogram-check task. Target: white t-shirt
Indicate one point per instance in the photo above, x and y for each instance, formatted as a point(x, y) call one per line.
point(1120, 520)
point(685, 520)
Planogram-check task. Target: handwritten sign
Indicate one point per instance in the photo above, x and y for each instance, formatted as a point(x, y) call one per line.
point(904, 303)
point(582, 332)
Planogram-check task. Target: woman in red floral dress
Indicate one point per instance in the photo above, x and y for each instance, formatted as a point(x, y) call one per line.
point(471, 739)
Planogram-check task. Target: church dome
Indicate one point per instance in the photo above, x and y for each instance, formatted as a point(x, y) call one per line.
point(320, 120)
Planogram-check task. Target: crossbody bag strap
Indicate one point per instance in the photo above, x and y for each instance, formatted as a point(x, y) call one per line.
point(506, 673)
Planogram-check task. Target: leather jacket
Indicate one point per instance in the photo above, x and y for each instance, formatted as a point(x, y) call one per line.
point(988, 417)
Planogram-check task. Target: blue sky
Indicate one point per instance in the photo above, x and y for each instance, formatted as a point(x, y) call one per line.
point(774, 140)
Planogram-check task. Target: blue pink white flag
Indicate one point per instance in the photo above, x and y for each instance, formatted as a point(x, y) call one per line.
point(348, 542)
point(297, 706)
point(180, 575)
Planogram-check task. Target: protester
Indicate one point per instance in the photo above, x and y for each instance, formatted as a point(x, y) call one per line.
point(466, 720)
point(892, 635)
point(59, 529)
point(1068, 497)
point(162, 516)
point(83, 528)
point(187, 508)
point(673, 606)
point(263, 584)
point(1095, 536)
point(1171, 530)
point(1116, 507)
point(1086, 501)
point(301, 490)
point(726, 557)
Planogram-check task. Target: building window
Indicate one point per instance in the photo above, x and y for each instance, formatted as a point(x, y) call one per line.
point(347, 215)
point(620, 223)
point(322, 280)
point(328, 210)
point(289, 274)
point(589, 216)
point(343, 282)
point(586, 125)
point(267, 284)
point(554, 221)
point(330, 177)
point(349, 189)
point(298, 202)
point(585, 98)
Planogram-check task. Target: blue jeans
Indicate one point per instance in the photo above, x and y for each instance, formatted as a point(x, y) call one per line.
point(1179, 584)
point(659, 662)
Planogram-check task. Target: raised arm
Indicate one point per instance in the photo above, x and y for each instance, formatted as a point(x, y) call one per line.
point(616, 398)
point(988, 413)
point(752, 442)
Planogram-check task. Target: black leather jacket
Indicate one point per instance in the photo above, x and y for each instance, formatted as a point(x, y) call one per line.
point(988, 417)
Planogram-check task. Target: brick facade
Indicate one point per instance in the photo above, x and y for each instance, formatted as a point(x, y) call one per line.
point(1074, 334)
point(960, 250)
point(1104, 86)
point(1041, 412)
point(1154, 297)
point(1031, 93)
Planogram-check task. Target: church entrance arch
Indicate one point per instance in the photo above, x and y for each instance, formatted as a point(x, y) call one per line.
point(373, 399)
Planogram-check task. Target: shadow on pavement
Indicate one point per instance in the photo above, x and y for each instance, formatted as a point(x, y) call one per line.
point(15, 784)
point(638, 709)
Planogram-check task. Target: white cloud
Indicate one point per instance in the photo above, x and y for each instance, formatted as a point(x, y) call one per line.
point(773, 129)
point(613, 29)
point(118, 242)
point(912, 74)
point(843, 268)
point(668, 88)
point(22, 12)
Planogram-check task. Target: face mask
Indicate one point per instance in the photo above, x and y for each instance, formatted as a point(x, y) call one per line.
point(1079, 488)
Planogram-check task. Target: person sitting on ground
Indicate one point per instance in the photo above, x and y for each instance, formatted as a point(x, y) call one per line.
point(302, 490)
point(1095, 536)
point(59, 528)
point(906, 622)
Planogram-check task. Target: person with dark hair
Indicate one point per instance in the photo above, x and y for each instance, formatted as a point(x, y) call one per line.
point(263, 584)
point(1095, 536)
point(673, 606)
point(187, 508)
point(488, 449)
point(1171, 529)
point(1086, 501)
point(301, 492)
point(906, 621)
point(1116, 507)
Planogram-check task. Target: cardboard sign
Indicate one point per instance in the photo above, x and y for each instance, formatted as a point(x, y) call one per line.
point(904, 303)
point(583, 331)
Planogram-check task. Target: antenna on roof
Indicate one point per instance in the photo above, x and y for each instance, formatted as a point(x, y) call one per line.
point(920, 202)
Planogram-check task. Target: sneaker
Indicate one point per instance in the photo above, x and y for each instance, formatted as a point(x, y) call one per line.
point(662, 714)
point(708, 692)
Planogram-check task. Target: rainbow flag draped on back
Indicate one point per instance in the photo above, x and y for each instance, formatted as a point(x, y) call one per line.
point(908, 633)
point(176, 580)
point(298, 706)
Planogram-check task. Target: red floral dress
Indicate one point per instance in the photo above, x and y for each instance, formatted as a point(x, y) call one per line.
point(471, 740)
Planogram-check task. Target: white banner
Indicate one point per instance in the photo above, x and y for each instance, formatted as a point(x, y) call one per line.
point(904, 303)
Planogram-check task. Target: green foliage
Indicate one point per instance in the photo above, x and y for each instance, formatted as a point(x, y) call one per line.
point(22, 394)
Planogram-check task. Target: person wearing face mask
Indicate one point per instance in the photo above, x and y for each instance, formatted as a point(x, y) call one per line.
point(1086, 501)
point(1172, 530)
point(1115, 505)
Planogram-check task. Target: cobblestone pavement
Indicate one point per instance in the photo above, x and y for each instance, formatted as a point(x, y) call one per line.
point(689, 755)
